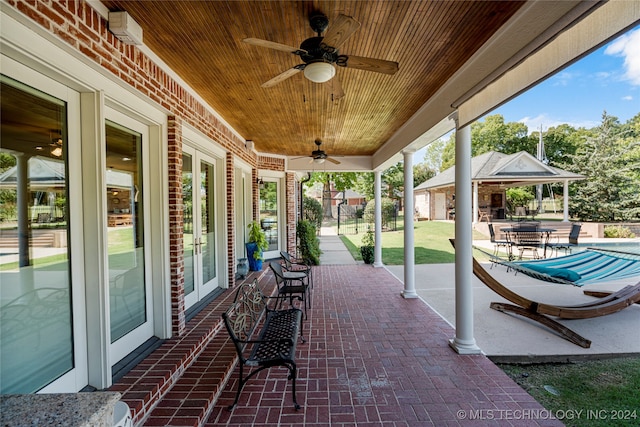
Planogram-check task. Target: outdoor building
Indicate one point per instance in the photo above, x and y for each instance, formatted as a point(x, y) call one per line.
point(491, 174)
point(147, 136)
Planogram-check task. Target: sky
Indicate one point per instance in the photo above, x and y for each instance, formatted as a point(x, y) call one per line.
point(608, 80)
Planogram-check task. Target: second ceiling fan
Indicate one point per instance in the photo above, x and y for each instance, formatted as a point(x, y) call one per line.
point(318, 155)
point(319, 54)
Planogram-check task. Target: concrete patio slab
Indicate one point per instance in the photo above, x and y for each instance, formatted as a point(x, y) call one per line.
point(509, 336)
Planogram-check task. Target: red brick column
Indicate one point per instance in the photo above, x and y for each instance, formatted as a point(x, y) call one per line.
point(176, 225)
point(291, 214)
point(231, 230)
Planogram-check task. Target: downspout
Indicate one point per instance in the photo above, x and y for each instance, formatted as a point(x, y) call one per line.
point(302, 182)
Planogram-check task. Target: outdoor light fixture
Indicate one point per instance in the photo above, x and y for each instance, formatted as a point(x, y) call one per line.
point(260, 183)
point(319, 72)
point(318, 160)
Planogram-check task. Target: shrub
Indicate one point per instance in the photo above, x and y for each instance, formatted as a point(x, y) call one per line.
point(518, 197)
point(313, 211)
point(388, 211)
point(308, 242)
point(367, 249)
point(618, 231)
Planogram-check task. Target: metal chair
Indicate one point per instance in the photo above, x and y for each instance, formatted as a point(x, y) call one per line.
point(287, 287)
point(497, 244)
point(292, 263)
point(525, 236)
point(573, 240)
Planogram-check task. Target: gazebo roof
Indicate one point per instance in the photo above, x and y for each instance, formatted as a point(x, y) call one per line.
point(508, 170)
point(44, 173)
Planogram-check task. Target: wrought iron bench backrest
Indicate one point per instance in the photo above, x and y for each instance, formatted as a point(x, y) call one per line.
point(242, 317)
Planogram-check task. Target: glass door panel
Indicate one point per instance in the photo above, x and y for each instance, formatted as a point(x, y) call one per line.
point(187, 215)
point(125, 247)
point(208, 226)
point(200, 237)
point(36, 330)
point(269, 217)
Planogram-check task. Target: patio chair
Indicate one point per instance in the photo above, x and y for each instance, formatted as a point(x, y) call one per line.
point(292, 263)
point(291, 285)
point(528, 238)
point(573, 241)
point(497, 244)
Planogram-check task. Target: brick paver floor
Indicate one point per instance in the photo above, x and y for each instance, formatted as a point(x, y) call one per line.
point(373, 358)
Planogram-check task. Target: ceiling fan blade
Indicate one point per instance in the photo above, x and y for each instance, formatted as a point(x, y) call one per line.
point(339, 31)
point(281, 77)
point(274, 45)
point(334, 161)
point(370, 64)
point(335, 87)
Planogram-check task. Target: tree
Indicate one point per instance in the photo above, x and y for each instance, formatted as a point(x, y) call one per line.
point(394, 178)
point(341, 181)
point(495, 135)
point(433, 155)
point(611, 163)
point(421, 173)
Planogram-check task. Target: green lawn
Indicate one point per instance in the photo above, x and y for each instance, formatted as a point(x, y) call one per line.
point(431, 240)
point(598, 393)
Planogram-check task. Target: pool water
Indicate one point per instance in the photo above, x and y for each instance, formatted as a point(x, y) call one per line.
point(633, 246)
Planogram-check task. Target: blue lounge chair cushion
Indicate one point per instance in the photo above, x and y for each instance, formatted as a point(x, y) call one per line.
point(560, 273)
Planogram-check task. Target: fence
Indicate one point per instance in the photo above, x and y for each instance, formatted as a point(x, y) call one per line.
point(350, 220)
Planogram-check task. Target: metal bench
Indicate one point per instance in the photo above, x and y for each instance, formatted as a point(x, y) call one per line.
point(262, 337)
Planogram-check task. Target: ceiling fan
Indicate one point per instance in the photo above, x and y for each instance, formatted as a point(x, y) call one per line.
point(318, 155)
point(320, 53)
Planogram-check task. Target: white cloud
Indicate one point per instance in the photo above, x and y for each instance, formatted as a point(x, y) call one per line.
point(533, 123)
point(563, 78)
point(628, 46)
point(627, 98)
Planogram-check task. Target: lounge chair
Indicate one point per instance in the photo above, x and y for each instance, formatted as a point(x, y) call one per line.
point(607, 303)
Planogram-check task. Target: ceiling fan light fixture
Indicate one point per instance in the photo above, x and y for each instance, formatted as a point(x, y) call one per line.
point(318, 160)
point(57, 151)
point(319, 72)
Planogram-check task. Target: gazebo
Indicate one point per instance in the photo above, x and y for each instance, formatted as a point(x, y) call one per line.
point(491, 174)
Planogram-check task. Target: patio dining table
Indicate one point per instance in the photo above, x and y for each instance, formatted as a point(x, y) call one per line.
point(545, 234)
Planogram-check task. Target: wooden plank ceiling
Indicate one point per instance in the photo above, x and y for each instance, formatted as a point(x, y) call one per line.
point(202, 42)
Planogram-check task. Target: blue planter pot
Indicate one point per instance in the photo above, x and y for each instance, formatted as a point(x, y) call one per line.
point(254, 264)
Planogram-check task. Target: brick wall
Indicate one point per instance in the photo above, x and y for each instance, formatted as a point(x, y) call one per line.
point(290, 182)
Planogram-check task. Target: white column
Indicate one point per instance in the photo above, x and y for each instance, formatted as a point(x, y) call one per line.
point(409, 251)
point(22, 202)
point(565, 201)
point(377, 189)
point(475, 202)
point(464, 342)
